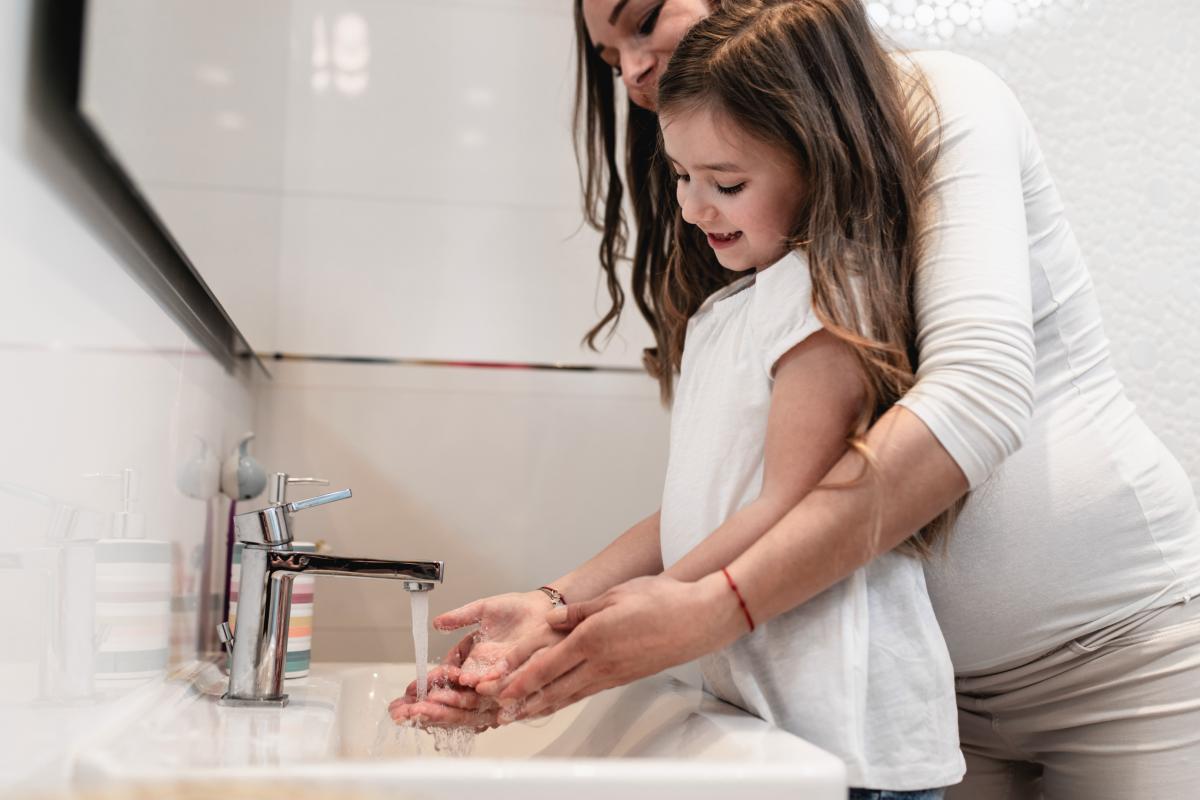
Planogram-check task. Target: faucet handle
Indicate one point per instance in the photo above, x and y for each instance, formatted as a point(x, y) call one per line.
point(280, 481)
point(269, 526)
point(225, 635)
point(319, 500)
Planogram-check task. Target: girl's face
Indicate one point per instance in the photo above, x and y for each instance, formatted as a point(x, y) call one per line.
point(637, 37)
point(746, 195)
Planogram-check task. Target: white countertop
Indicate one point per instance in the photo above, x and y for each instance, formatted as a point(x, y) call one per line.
point(655, 738)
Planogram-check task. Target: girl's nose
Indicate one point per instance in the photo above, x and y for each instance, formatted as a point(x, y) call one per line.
point(693, 210)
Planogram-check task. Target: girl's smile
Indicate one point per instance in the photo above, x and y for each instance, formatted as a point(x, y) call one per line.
point(719, 241)
point(744, 194)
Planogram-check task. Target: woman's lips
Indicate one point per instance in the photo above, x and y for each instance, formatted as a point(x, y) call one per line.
point(720, 240)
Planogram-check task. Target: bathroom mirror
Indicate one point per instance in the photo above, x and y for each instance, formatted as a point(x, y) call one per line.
point(386, 179)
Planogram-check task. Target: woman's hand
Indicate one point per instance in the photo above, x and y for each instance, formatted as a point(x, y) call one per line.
point(511, 628)
point(633, 630)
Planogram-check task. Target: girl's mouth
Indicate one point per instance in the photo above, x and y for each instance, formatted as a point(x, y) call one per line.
point(719, 240)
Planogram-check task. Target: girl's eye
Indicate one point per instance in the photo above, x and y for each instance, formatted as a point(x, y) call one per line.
point(647, 26)
point(683, 178)
point(731, 189)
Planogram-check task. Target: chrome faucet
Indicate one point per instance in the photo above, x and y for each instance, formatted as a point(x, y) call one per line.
point(269, 565)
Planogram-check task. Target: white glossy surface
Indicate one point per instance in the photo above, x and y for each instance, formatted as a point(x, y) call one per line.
point(655, 738)
point(512, 477)
point(383, 178)
point(95, 378)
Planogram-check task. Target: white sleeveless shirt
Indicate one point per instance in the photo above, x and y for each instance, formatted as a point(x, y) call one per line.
point(861, 670)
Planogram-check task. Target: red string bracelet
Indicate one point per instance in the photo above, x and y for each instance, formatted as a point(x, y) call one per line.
point(741, 602)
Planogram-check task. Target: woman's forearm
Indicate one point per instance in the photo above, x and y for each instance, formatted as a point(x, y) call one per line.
point(730, 540)
point(832, 531)
point(635, 553)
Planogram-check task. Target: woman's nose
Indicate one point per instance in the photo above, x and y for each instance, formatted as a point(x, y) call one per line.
point(637, 70)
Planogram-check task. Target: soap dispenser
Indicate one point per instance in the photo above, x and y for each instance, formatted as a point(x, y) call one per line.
point(133, 595)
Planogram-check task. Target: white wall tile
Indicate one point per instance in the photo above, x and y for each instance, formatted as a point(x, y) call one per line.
point(233, 238)
point(190, 93)
point(459, 102)
point(512, 477)
point(428, 280)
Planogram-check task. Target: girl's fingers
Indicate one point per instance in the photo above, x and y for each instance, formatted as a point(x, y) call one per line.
point(497, 680)
point(461, 617)
point(460, 652)
point(455, 698)
point(429, 714)
point(441, 675)
point(486, 660)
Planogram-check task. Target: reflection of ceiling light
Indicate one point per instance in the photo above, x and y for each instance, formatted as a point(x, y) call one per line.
point(230, 121)
point(480, 97)
point(213, 75)
point(341, 54)
point(942, 20)
point(351, 84)
point(471, 138)
point(351, 48)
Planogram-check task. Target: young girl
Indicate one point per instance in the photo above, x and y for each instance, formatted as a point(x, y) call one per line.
point(800, 177)
point(786, 314)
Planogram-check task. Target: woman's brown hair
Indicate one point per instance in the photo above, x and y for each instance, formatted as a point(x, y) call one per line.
point(809, 79)
point(651, 196)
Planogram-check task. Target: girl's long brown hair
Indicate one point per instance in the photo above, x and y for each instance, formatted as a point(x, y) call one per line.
point(809, 79)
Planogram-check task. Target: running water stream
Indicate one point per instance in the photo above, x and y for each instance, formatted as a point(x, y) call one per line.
point(406, 738)
point(420, 631)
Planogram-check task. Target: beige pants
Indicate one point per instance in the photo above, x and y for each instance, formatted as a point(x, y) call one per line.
point(1112, 716)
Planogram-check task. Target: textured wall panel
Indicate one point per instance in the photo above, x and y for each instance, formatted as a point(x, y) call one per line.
point(1113, 89)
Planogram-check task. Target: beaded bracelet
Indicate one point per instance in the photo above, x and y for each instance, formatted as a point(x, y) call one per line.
point(556, 597)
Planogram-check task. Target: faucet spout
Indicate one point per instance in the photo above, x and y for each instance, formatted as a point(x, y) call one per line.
point(425, 572)
point(264, 606)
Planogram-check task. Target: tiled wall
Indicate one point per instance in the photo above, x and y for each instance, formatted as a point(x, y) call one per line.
point(509, 476)
point(396, 180)
point(95, 380)
point(380, 178)
point(1111, 89)
point(431, 210)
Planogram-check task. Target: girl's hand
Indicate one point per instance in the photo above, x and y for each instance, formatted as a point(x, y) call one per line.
point(511, 628)
point(636, 629)
point(447, 704)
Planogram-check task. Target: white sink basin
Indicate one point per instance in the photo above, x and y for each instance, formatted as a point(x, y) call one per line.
point(657, 738)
